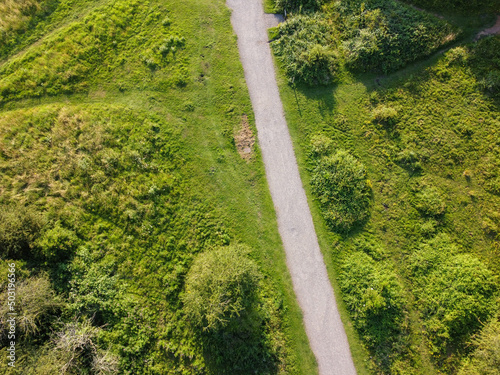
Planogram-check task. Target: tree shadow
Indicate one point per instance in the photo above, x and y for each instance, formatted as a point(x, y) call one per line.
point(241, 350)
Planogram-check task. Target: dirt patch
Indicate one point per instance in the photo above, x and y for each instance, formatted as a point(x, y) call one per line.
point(495, 30)
point(244, 139)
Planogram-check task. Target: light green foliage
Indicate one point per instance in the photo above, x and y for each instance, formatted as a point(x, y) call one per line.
point(17, 17)
point(428, 201)
point(118, 167)
point(456, 292)
point(57, 243)
point(385, 115)
point(342, 187)
point(220, 288)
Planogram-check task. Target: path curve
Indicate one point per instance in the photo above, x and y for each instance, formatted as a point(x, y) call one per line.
point(305, 262)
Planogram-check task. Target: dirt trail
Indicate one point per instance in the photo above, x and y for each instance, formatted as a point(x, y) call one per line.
point(304, 259)
point(494, 30)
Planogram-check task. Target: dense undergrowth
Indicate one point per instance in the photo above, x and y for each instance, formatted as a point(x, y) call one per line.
point(358, 36)
point(118, 171)
point(420, 274)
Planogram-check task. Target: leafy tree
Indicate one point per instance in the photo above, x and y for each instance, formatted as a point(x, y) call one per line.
point(340, 182)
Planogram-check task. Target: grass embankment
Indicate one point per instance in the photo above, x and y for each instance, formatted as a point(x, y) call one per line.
point(119, 136)
point(419, 277)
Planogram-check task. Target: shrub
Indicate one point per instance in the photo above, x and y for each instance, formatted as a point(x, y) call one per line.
point(375, 299)
point(74, 350)
point(340, 183)
point(456, 292)
point(321, 145)
point(36, 305)
point(57, 244)
point(385, 115)
point(304, 48)
point(220, 288)
point(429, 201)
point(19, 228)
point(409, 160)
point(385, 35)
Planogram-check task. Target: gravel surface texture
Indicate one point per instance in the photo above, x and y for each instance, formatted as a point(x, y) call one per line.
point(309, 276)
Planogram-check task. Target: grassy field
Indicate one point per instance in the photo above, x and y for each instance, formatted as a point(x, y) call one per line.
point(127, 147)
point(419, 278)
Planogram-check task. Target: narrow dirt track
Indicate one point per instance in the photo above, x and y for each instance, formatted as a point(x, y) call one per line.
point(305, 262)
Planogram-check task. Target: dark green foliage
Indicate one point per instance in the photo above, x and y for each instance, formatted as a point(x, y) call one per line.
point(19, 229)
point(458, 5)
point(386, 35)
point(375, 35)
point(456, 292)
point(342, 187)
point(291, 6)
point(484, 60)
point(304, 47)
point(375, 300)
point(485, 360)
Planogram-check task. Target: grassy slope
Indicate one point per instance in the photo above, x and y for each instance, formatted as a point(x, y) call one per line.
point(197, 98)
point(442, 102)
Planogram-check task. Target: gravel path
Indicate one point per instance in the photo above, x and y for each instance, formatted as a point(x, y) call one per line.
point(310, 280)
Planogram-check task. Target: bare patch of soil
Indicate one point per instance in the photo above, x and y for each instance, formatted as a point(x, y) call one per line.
point(244, 139)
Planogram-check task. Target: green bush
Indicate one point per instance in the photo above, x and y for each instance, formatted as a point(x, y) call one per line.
point(455, 292)
point(385, 115)
point(428, 201)
point(221, 288)
point(37, 307)
point(19, 228)
point(321, 146)
point(375, 300)
point(57, 244)
point(304, 48)
point(344, 192)
point(385, 35)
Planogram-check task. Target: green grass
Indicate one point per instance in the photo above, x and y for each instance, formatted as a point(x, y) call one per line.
point(447, 117)
point(118, 125)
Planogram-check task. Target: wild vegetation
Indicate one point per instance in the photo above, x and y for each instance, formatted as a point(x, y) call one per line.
point(419, 275)
point(119, 178)
point(359, 36)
